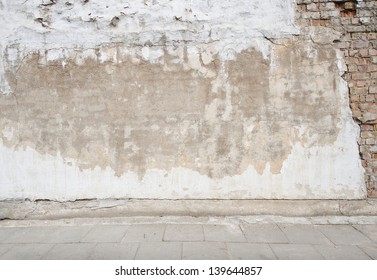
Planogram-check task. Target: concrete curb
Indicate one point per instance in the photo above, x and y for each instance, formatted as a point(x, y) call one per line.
point(49, 210)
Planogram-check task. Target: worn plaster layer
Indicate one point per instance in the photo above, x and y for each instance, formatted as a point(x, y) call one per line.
point(235, 117)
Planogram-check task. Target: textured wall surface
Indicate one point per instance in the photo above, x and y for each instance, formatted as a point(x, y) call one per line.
point(172, 99)
point(357, 23)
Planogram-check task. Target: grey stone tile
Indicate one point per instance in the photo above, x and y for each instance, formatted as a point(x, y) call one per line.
point(5, 248)
point(184, 233)
point(145, 233)
point(264, 233)
point(105, 233)
point(115, 251)
point(304, 234)
point(344, 235)
point(249, 251)
point(159, 251)
point(368, 230)
point(74, 251)
point(204, 251)
point(371, 251)
point(6, 232)
point(32, 235)
point(295, 252)
point(69, 234)
point(224, 233)
point(27, 252)
point(341, 252)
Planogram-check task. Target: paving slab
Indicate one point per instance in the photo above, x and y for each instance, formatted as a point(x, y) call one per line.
point(341, 252)
point(344, 235)
point(249, 251)
point(105, 233)
point(264, 233)
point(145, 233)
point(223, 233)
point(295, 252)
point(159, 251)
point(68, 234)
point(74, 251)
point(5, 248)
point(32, 235)
point(369, 230)
point(178, 232)
point(114, 251)
point(304, 234)
point(370, 250)
point(6, 232)
point(27, 252)
point(204, 251)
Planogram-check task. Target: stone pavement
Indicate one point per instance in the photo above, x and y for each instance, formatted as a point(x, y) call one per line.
point(191, 238)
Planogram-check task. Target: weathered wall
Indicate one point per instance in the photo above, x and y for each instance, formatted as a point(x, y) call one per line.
point(172, 99)
point(357, 22)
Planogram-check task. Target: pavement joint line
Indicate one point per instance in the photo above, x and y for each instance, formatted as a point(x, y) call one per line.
point(137, 250)
point(365, 252)
point(181, 250)
point(163, 235)
point(49, 250)
point(362, 233)
point(273, 252)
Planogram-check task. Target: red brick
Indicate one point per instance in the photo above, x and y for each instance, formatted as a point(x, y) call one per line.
point(365, 127)
point(362, 68)
point(349, 14)
point(350, 6)
point(372, 51)
point(356, 60)
point(354, 98)
point(372, 36)
point(361, 83)
point(360, 44)
point(364, 53)
point(352, 68)
point(359, 91)
point(360, 76)
point(319, 22)
point(372, 68)
point(372, 89)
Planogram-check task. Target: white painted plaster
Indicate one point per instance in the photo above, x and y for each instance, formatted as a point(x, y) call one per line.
point(231, 25)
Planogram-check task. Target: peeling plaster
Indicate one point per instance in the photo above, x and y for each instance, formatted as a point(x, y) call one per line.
point(176, 100)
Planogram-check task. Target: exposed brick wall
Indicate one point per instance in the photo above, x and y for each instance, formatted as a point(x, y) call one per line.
point(357, 21)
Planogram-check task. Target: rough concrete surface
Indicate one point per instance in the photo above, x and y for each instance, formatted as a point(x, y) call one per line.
point(172, 100)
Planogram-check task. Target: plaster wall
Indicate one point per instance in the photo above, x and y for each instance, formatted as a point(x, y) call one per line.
point(172, 100)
